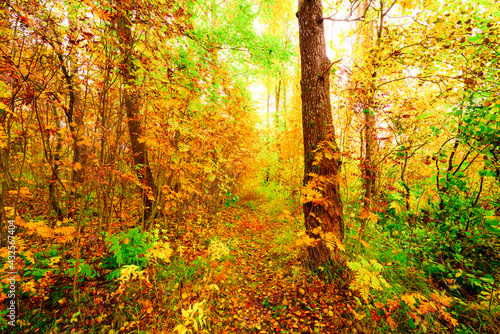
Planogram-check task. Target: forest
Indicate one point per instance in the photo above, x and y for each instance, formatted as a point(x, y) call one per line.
point(250, 166)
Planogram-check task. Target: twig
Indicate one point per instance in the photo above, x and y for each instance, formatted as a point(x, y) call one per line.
point(333, 62)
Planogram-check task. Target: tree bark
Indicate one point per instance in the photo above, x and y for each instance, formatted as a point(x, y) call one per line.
point(74, 116)
point(368, 41)
point(54, 178)
point(132, 99)
point(368, 168)
point(278, 94)
point(321, 152)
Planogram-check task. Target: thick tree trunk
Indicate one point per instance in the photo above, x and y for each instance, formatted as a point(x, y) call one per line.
point(321, 153)
point(132, 99)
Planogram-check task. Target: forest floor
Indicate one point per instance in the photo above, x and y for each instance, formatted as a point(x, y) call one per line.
point(264, 289)
point(239, 272)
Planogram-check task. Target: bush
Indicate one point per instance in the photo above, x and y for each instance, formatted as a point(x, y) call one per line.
point(127, 248)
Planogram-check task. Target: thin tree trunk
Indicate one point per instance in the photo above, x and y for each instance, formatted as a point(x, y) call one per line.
point(75, 120)
point(284, 107)
point(4, 160)
point(268, 109)
point(368, 168)
point(278, 93)
point(319, 135)
point(132, 100)
point(54, 178)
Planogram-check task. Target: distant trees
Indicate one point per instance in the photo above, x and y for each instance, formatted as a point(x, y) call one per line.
point(124, 109)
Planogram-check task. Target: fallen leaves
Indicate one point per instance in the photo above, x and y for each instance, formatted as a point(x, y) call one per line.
point(267, 296)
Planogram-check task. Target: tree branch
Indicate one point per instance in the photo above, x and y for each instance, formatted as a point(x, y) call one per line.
point(333, 62)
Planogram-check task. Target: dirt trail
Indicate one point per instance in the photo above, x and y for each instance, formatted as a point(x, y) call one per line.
point(265, 291)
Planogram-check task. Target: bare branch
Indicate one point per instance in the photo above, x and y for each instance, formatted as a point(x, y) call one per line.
point(361, 18)
point(404, 78)
point(348, 17)
point(333, 62)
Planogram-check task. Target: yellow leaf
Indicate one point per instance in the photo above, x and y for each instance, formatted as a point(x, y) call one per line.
point(409, 299)
point(181, 329)
point(391, 322)
point(364, 243)
point(24, 191)
point(77, 166)
point(184, 295)
point(29, 287)
point(54, 260)
point(9, 210)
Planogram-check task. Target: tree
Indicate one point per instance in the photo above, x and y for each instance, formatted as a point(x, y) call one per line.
point(132, 102)
point(369, 40)
point(322, 205)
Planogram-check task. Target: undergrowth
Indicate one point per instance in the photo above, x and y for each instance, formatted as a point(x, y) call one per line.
point(241, 271)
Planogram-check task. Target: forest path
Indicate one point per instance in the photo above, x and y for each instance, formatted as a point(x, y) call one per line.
point(264, 289)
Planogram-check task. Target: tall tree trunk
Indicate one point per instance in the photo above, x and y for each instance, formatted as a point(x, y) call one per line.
point(321, 152)
point(278, 94)
point(56, 161)
point(367, 40)
point(268, 109)
point(5, 125)
point(74, 115)
point(132, 99)
point(367, 162)
point(284, 107)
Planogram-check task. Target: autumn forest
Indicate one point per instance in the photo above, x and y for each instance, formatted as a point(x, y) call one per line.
point(250, 166)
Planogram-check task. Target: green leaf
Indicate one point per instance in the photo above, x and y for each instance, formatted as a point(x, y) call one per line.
point(491, 228)
point(493, 222)
point(487, 279)
point(411, 323)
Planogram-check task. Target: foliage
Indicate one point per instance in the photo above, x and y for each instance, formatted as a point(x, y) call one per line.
point(415, 103)
point(218, 250)
point(193, 316)
point(129, 249)
point(367, 277)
